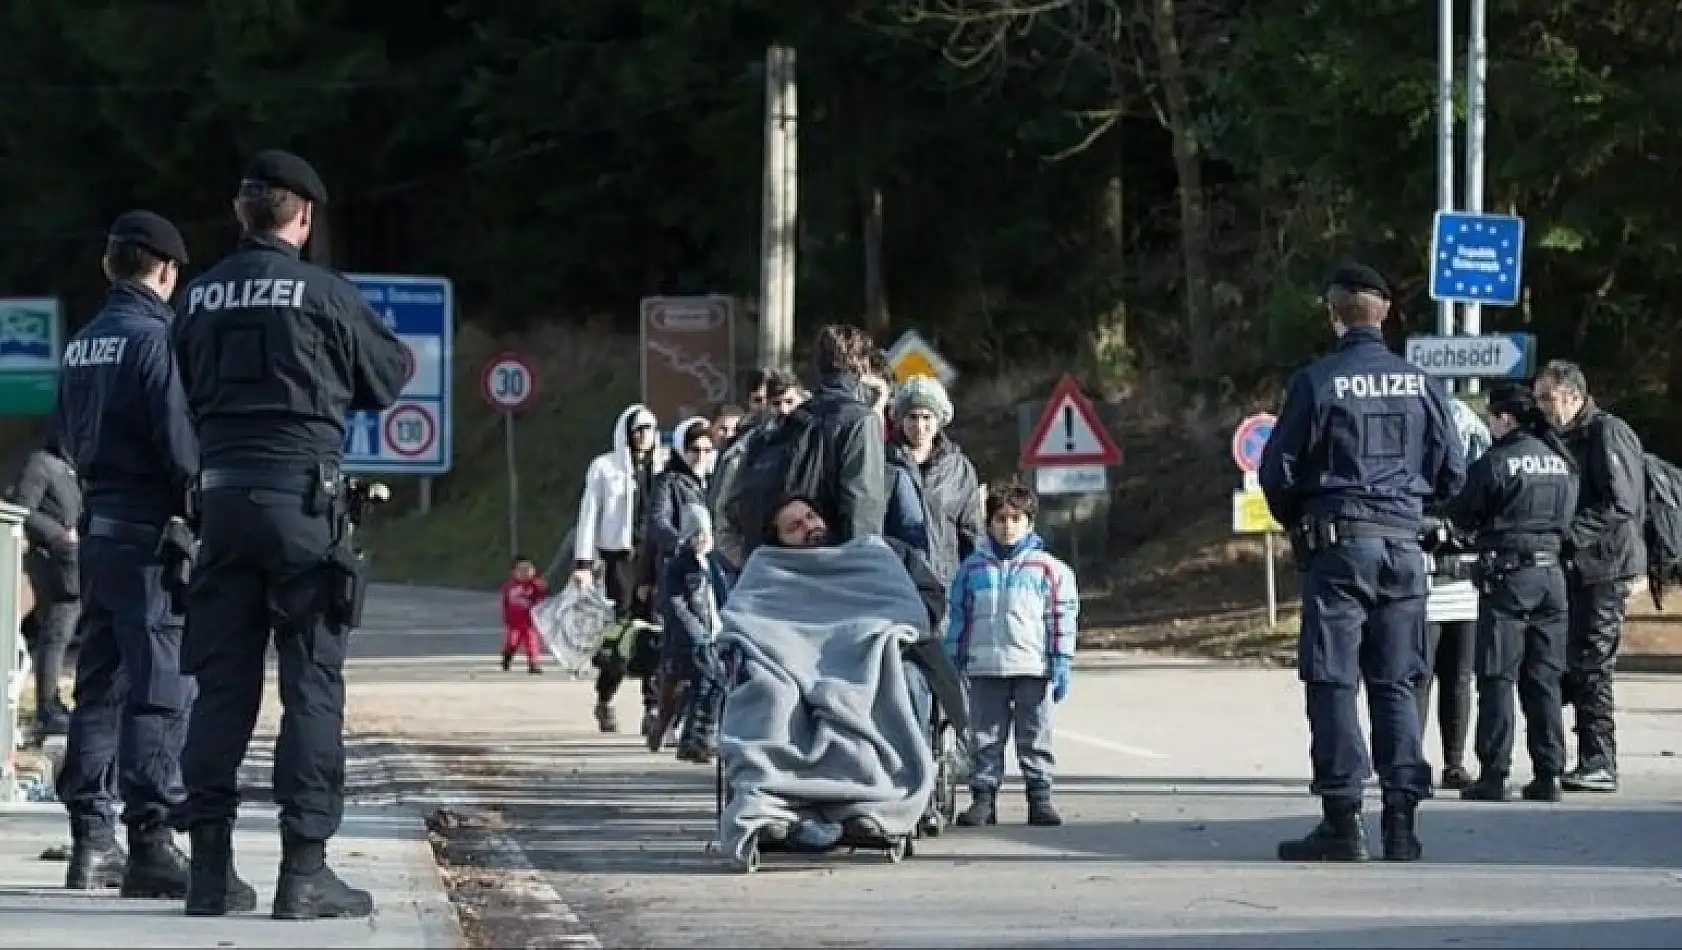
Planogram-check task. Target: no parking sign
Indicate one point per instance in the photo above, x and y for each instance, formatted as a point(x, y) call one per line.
point(1249, 440)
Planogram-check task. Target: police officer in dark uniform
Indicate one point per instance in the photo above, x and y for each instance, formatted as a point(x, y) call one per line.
point(274, 351)
point(1363, 440)
point(122, 423)
point(1519, 500)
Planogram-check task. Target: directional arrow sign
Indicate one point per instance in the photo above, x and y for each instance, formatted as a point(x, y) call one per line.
point(1493, 356)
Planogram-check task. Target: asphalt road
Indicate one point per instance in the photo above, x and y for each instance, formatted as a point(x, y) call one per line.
point(1177, 779)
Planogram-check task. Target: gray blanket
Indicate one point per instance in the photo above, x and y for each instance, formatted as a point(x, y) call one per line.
point(821, 727)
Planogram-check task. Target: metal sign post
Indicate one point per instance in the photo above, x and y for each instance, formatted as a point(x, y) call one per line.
point(509, 384)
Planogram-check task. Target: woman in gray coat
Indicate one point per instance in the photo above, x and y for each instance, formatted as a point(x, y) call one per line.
point(934, 501)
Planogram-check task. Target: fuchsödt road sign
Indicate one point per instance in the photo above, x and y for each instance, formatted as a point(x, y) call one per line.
point(413, 437)
point(1492, 356)
point(911, 355)
point(1250, 439)
point(1069, 432)
point(1477, 258)
point(509, 384)
point(31, 342)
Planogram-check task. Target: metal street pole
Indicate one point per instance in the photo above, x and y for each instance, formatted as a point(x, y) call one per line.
point(1445, 136)
point(1477, 76)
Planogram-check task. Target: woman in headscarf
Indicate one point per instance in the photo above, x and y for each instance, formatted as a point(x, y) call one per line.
point(934, 500)
point(681, 486)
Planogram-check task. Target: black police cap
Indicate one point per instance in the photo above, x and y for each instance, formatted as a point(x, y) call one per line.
point(1359, 278)
point(152, 232)
point(279, 169)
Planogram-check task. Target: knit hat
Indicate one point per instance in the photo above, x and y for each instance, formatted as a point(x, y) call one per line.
point(923, 392)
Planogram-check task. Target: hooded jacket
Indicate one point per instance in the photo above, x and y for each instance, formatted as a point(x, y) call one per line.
point(607, 510)
point(677, 487)
point(1010, 612)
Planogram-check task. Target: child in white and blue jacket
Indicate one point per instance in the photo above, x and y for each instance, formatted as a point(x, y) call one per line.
point(1011, 615)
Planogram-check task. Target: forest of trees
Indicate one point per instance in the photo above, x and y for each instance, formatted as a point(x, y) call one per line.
point(1144, 182)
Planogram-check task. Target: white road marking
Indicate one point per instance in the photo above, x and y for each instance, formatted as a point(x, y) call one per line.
point(1106, 744)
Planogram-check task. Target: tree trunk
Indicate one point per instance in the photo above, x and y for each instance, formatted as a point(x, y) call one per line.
point(1194, 213)
point(1109, 336)
point(875, 284)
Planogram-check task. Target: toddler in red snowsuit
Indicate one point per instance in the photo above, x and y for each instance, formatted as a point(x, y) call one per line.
point(520, 593)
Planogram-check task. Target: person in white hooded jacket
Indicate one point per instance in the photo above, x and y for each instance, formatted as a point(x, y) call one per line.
point(611, 518)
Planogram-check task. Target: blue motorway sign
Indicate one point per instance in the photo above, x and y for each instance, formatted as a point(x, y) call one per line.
point(1477, 258)
point(413, 436)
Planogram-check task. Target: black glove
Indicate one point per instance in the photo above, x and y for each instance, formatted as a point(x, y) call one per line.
point(175, 552)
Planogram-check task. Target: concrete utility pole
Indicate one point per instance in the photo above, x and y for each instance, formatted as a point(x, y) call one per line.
point(779, 212)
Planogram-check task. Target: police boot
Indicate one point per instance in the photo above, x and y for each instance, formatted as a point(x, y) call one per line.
point(156, 867)
point(1041, 812)
point(308, 889)
point(1544, 788)
point(96, 862)
point(1341, 835)
point(1400, 844)
point(213, 887)
point(981, 811)
point(1490, 787)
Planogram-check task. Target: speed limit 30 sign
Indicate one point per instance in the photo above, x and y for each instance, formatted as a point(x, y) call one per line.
point(509, 383)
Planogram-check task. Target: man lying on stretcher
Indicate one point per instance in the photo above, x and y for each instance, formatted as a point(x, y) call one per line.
point(796, 523)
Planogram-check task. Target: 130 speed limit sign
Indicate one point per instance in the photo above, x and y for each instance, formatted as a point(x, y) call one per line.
point(509, 384)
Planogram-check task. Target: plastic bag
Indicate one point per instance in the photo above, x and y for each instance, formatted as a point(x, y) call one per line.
point(573, 624)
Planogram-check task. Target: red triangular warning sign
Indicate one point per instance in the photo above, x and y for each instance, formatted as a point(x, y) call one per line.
point(1069, 432)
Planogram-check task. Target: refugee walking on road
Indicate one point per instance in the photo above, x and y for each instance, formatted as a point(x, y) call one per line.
point(612, 519)
point(520, 593)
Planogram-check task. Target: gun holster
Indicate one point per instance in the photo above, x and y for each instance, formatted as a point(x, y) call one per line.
point(175, 553)
point(325, 490)
point(1309, 536)
point(349, 572)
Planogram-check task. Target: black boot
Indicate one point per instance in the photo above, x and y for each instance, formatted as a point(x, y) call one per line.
point(1490, 787)
point(96, 862)
point(309, 889)
point(981, 811)
point(1544, 788)
point(156, 867)
point(213, 887)
point(507, 659)
point(1341, 835)
point(1400, 843)
point(1456, 777)
point(1041, 812)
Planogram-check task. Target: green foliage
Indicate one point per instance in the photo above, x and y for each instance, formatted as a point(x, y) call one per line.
point(561, 161)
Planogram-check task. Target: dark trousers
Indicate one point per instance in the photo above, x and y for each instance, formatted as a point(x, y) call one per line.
point(622, 575)
point(263, 565)
point(1522, 623)
point(1448, 662)
point(131, 697)
point(1596, 627)
point(55, 625)
point(1363, 622)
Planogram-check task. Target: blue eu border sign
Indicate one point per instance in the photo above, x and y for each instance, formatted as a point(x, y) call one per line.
point(413, 436)
point(1477, 258)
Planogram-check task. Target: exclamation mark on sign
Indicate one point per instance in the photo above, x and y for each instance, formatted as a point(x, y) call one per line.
point(1069, 429)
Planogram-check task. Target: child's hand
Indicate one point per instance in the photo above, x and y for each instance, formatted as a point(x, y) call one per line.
point(1059, 678)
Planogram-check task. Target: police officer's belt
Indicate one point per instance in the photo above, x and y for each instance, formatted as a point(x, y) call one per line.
point(256, 479)
point(128, 532)
point(1515, 560)
point(1366, 529)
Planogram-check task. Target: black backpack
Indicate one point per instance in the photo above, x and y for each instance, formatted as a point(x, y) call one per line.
point(1662, 528)
point(783, 459)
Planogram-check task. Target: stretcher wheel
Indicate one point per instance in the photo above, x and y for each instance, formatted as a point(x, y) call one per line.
point(899, 849)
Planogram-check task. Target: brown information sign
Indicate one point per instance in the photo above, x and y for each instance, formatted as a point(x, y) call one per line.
point(688, 355)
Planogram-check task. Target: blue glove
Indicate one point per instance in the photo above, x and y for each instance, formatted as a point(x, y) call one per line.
point(1059, 678)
